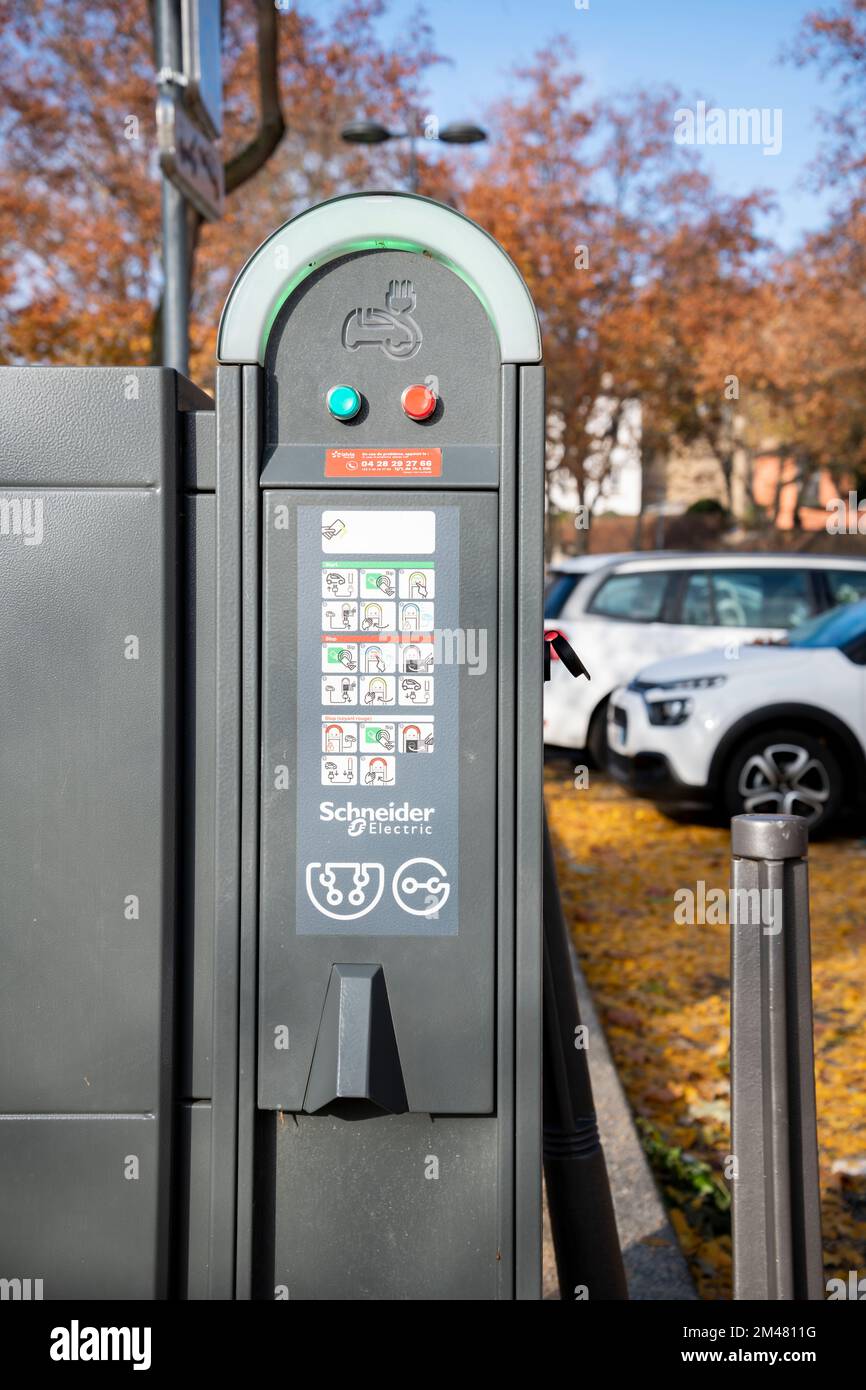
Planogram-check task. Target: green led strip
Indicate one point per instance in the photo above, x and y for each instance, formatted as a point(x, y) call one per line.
point(374, 245)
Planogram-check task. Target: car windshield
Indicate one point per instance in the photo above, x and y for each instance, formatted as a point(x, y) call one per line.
point(838, 628)
point(560, 587)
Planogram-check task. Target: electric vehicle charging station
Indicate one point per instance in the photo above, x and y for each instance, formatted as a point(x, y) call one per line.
point(276, 954)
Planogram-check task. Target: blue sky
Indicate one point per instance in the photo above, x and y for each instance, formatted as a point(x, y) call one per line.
point(725, 52)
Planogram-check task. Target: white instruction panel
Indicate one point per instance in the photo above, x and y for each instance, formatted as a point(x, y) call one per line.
point(347, 532)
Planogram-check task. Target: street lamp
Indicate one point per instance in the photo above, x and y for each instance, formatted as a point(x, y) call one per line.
point(372, 133)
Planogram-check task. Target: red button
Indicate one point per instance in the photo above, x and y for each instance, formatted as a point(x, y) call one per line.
point(418, 402)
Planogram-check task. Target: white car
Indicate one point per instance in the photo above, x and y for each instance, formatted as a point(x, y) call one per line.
point(620, 612)
point(778, 728)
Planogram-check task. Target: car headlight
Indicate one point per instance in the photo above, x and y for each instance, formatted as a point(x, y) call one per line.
point(676, 708)
point(670, 712)
point(696, 683)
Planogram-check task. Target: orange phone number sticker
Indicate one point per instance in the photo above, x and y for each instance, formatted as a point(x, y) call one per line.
point(383, 463)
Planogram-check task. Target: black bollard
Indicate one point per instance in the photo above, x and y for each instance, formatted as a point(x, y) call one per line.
point(582, 1218)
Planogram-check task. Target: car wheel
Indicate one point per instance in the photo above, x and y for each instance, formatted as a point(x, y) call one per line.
point(784, 772)
point(596, 739)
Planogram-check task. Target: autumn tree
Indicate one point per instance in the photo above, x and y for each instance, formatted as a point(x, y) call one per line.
point(813, 344)
point(681, 272)
point(644, 276)
point(653, 290)
point(79, 183)
point(533, 195)
point(833, 38)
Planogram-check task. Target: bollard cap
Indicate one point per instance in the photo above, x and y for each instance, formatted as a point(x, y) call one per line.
point(769, 837)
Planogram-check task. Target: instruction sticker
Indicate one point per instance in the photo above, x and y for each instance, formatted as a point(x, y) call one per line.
point(378, 771)
point(383, 463)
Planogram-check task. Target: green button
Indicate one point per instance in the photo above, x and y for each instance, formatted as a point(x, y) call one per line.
point(344, 402)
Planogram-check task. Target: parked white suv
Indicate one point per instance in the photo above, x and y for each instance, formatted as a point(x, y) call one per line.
point(621, 612)
point(777, 728)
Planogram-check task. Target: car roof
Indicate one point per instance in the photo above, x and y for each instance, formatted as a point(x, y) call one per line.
point(585, 564)
point(633, 562)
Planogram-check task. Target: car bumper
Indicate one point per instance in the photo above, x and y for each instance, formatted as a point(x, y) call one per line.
point(650, 775)
point(640, 758)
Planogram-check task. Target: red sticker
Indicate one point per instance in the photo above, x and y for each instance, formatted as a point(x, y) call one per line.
point(383, 463)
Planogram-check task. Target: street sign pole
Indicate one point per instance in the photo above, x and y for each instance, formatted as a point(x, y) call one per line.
point(175, 298)
point(175, 304)
point(189, 125)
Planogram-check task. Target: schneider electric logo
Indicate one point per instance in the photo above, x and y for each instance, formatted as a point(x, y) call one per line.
point(397, 818)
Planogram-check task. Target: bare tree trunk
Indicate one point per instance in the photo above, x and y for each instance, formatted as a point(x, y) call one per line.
point(758, 514)
point(777, 497)
point(726, 462)
point(638, 525)
point(804, 477)
point(647, 452)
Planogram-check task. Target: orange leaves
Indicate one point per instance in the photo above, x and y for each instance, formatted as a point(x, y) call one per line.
point(79, 188)
point(651, 285)
point(646, 278)
point(662, 991)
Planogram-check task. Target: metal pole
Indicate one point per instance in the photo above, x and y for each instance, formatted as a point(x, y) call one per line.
point(582, 1218)
point(776, 1201)
point(175, 260)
